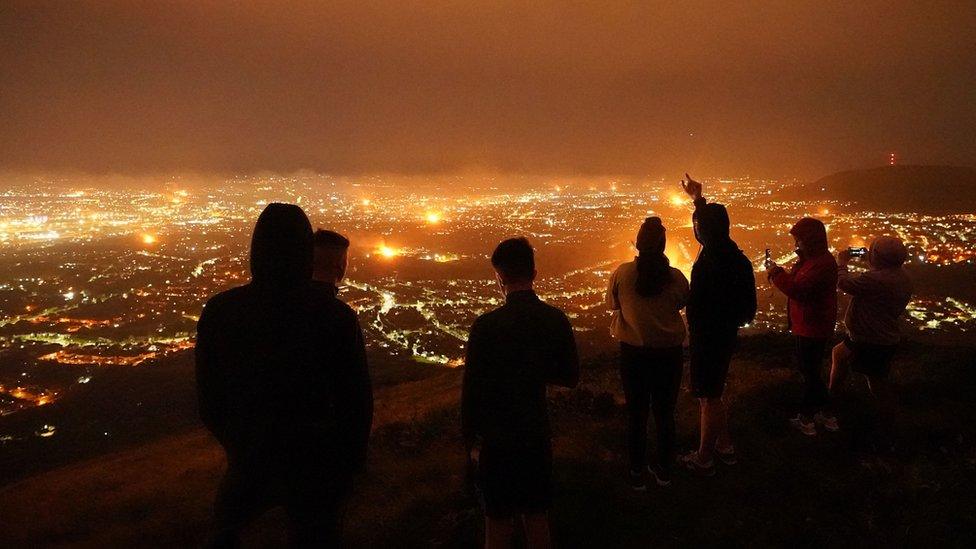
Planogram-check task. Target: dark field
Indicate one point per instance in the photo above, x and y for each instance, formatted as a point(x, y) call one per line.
point(154, 486)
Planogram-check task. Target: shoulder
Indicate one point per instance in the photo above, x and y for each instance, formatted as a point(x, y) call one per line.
point(555, 314)
point(226, 301)
point(678, 276)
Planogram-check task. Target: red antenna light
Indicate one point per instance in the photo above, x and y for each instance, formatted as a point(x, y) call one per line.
point(891, 159)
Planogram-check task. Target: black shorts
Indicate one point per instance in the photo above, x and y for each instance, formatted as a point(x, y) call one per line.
point(870, 359)
point(515, 479)
point(709, 365)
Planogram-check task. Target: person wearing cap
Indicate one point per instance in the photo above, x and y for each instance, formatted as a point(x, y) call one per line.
point(646, 296)
point(811, 290)
point(872, 331)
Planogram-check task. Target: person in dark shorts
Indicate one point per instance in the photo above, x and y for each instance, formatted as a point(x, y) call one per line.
point(284, 387)
point(513, 353)
point(811, 290)
point(879, 298)
point(722, 298)
point(646, 296)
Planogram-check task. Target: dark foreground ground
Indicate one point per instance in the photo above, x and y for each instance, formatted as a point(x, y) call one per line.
point(787, 490)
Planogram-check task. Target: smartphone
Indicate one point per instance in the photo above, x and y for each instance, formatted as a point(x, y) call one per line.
point(857, 251)
point(768, 257)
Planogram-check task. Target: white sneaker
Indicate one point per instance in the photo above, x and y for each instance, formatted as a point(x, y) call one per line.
point(827, 422)
point(808, 428)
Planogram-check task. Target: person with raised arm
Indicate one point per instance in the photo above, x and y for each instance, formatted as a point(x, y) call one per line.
point(872, 328)
point(722, 298)
point(513, 353)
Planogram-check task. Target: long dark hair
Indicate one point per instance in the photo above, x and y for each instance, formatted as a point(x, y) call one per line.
point(653, 267)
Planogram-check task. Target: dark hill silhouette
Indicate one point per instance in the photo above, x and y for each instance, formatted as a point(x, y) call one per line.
point(923, 189)
point(787, 489)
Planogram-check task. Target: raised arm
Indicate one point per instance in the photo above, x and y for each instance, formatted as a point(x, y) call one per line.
point(849, 283)
point(801, 287)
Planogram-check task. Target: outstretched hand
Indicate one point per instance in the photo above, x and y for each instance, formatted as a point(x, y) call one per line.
point(692, 187)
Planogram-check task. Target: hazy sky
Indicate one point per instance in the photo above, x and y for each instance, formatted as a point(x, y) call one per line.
point(778, 88)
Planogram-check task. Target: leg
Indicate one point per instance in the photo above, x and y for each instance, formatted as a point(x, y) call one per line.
point(883, 393)
point(537, 531)
point(840, 358)
point(498, 532)
point(666, 382)
point(809, 355)
point(314, 527)
point(634, 373)
point(240, 498)
point(712, 420)
point(723, 439)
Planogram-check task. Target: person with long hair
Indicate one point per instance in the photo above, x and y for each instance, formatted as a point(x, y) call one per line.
point(646, 296)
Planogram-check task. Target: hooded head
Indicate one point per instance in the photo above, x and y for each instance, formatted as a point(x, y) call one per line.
point(811, 237)
point(887, 252)
point(712, 225)
point(281, 247)
point(650, 237)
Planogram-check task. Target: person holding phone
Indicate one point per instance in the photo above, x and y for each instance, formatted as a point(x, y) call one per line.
point(811, 290)
point(872, 330)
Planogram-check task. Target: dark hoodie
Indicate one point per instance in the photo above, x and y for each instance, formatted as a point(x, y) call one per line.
point(811, 284)
point(723, 286)
point(280, 362)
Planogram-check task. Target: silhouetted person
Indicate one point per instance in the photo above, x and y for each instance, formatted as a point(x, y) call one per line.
point(330, 258)
point(646, 296)
point(722, 298)
point(283, 385)
point(879, 298)
point(513, 353)
point(811, 289)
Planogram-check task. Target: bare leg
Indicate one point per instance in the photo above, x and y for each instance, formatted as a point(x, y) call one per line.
point(723, 439)
point(537, 531)
point(840, 358)
point(498, 533)
point(713, 425)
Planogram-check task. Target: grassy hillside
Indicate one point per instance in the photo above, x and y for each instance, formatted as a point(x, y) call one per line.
point(788, 489)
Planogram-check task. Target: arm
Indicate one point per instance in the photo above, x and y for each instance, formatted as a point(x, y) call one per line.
point(354, 395)
point(803, 286)
point(566, 364)
point(682, 290)
point(471, 386)
point(853, 284)
point(749, 290)
point(210, 393)
point(613, 303)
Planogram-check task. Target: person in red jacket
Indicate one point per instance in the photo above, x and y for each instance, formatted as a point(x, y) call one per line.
point(810, 287)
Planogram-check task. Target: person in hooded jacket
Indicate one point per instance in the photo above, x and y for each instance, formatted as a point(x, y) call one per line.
point(646, 296)
point(811, 288)
point(283, 385)
point(722, 298)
